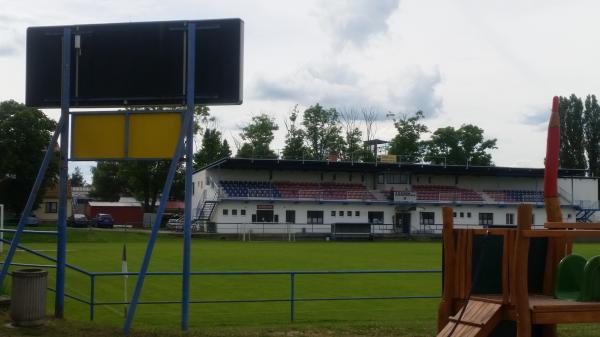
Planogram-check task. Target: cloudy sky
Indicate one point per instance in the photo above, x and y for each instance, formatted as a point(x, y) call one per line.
point(495, 64)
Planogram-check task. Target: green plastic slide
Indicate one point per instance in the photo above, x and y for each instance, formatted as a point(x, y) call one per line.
point(578, 279)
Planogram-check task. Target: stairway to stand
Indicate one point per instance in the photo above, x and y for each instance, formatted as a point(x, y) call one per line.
point(479, 319)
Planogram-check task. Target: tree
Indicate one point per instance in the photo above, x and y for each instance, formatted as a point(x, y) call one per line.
point(145, 180)
point(591, 128)
point(76, 178)
point(572, 149)
point(24, 136)
point(294, 139)
point(407, 143)
point(465, 145)
point(213, 148)
point(353, 148)
point(323, 132)
point(106, 183)
point(258, 135)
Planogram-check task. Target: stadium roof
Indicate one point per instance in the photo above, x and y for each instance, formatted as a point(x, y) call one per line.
point(347, 166)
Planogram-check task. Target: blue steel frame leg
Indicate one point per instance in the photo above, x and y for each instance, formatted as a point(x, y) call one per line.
point(61, 243)
point(187, 224)
point(156, 225)
point(30, 200)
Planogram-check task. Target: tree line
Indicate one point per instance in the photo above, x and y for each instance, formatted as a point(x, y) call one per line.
point(318, 132)
point(580, 133)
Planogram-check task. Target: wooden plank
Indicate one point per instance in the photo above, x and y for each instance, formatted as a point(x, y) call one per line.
point(572, 225)
point(524, 215)
point(448, 293)
point(558, 233)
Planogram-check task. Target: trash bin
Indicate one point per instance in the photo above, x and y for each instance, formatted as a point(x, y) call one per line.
point(28, 303)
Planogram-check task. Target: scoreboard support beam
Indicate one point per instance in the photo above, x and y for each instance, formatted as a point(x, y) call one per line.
point(61, 242)
point(187, 224)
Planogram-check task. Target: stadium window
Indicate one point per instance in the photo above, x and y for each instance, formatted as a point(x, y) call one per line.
point(290, 216)
point(510, 219)
point(242, 212)
point(427, 218)
point(462, 214)
point(356, 213)
point(276, 218)
point(332, 213)
point(253, 217)
point(341, 213)
point(486, 218)
point(380, 179)
point(225, 211)
point(468, 214)
point(454, 214)
point(51, 207)
point(349, 213)
point(314, 217)
point(234, 212)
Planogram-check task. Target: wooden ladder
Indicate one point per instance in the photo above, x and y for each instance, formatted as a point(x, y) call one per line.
point(478, 320)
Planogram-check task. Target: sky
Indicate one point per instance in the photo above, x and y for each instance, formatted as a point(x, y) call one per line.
point(495, 63)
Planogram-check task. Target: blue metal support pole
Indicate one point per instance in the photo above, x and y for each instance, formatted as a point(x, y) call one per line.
point(30, 200)
point(189, 153)
point(155, 226)
point(61, 243)
point(92, 291)
point(292, 296)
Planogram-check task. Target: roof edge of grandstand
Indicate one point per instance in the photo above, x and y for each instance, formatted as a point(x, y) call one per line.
point(324, 165)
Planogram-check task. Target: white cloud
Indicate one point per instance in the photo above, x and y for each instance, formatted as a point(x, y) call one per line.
point(355, 21)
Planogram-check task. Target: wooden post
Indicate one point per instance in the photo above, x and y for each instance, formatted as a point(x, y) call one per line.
point(521, 262)
point(445, 308)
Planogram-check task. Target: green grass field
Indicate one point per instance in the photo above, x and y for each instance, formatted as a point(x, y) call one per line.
point(97, 251)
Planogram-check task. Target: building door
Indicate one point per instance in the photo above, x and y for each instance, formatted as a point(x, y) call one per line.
point(290, 216)
point(264, 215)
point(403, 222)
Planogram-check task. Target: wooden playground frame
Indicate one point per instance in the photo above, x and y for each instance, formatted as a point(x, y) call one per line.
point(514, 303)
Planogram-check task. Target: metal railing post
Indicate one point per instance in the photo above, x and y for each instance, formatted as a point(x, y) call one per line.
point(292, 296)
point(92, 291)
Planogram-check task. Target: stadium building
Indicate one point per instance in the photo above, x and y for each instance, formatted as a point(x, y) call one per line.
point(274, 196)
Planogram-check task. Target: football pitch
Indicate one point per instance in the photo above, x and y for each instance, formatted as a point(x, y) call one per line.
point(101, 250)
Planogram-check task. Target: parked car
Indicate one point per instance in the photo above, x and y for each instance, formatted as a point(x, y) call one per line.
point(104, 220)
point(78, 220)
point(175, 223)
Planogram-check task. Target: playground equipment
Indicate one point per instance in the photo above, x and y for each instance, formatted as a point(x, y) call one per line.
point(501, 281)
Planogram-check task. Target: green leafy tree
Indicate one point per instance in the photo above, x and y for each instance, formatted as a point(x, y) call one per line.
point(572, 148)
point(460, 146)
point(145, 179)
point(106, 182)
point(213, 148)
point(591, 128)
point(76, 178)
point(407, 143)
point(258, 135)
point(294, 139)
point(24, 136)
point(323, 132)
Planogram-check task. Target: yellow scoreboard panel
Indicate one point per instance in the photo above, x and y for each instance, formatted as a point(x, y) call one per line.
point(122, 135)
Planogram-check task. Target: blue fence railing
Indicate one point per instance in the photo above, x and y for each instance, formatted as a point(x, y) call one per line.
point(292, 298)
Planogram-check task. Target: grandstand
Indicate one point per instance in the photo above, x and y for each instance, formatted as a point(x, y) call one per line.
point(274, 196)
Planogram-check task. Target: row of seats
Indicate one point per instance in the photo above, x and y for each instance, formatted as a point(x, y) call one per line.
point(445, 193)
point(344, 191)
point(295, 190)
point(515, 195)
